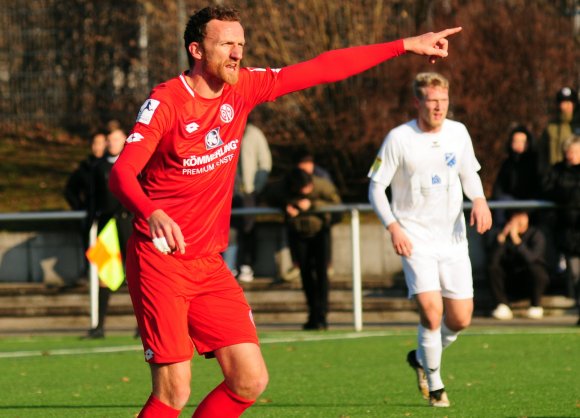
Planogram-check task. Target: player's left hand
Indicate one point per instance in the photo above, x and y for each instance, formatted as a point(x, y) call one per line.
point(433, 44)
point(480, 215)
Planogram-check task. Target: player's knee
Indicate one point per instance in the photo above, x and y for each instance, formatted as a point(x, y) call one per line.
point(174, 390)
point(431, 324)
point(260, 384)
point(250, 386)
point(431, 321)
point(176, 397)
point(458, 324)
point(181, 396)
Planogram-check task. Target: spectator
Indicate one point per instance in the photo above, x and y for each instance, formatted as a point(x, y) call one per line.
point(254, 167)
point(518, 265)
point(304, 160)
point(309, 237)
point(518, 176)
point(78, 188)
point(560, 128)
point(562, 185)
point(104, 207)
point(78, 185)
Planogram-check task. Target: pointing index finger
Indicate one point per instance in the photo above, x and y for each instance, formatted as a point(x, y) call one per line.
point(451, 31)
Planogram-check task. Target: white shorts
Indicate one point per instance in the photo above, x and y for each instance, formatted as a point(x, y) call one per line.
point(443, 267)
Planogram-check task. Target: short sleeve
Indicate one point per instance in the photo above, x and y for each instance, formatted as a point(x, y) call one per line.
point(386, 162)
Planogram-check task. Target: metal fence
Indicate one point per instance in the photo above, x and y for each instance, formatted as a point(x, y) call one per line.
point(353, 209)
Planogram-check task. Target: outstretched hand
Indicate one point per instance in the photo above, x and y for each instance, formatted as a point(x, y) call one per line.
point(432, 44)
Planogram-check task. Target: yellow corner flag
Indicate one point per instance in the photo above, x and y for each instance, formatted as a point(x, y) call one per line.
point(106, 255)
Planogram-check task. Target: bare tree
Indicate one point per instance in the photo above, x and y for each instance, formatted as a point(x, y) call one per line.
point(78, 63)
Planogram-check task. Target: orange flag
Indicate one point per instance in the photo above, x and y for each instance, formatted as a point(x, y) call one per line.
point(106, 255)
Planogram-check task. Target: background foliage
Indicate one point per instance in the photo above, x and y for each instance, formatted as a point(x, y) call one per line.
point(67, 67)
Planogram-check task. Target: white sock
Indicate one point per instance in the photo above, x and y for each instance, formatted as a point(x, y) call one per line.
point(448, 336)
point(429, 352)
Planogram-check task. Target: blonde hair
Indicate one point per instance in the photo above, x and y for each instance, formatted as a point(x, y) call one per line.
point(428, 79)
point(571, 140)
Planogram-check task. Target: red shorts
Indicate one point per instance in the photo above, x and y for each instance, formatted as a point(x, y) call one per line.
point(181, 303)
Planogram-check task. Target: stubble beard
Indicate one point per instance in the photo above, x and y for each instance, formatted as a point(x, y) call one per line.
point(221, 74)
point(230, 77)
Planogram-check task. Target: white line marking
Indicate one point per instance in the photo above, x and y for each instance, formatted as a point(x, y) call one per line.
point(292, 338)
point(71, 351)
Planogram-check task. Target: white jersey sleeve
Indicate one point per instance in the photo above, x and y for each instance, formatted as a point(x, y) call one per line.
point(381, 174)
point(470, 181)
point(380, 203)
point(386, 162)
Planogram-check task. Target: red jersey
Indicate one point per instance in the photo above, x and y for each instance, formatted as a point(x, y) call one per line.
point(182, 153)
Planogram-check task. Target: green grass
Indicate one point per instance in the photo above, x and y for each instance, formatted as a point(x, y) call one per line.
point(515, 373)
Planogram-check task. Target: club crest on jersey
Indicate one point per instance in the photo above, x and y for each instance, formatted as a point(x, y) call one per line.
point(226, 113)
point(213, 139)
point(147, 110)
point(450, 159)
point(435, 179)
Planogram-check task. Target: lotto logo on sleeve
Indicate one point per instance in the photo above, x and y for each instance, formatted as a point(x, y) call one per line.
point(147, 110)
point(134, 137)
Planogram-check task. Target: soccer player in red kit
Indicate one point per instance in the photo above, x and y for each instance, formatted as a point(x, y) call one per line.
point(176, 174)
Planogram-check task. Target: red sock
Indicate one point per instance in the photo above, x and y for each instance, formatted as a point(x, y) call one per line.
point(222, 402)
point(154, 408)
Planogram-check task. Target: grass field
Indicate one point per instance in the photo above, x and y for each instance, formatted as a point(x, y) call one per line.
point(514, 372)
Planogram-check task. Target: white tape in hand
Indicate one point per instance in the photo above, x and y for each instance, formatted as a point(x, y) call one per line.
point(161, 245)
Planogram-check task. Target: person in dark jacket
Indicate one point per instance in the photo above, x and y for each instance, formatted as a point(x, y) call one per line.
point(78, 185)
point(562, 185)
point(517, 266)
point(309, 236)
point(78, 189)
point(518, 176)
point(103, 207)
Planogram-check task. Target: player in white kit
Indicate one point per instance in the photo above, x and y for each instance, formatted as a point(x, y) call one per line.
point(429, 163)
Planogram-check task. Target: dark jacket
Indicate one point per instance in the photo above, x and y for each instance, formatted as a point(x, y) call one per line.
point(531, 250)
point(104, 204)
point(78, 189)
point(518, 176)
point(308, 223)
point(562, 185)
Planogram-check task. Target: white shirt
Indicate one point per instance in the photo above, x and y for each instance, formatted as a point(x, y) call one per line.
point(425, 172)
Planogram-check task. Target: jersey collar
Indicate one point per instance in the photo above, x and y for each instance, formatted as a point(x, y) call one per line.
point(184, 81)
